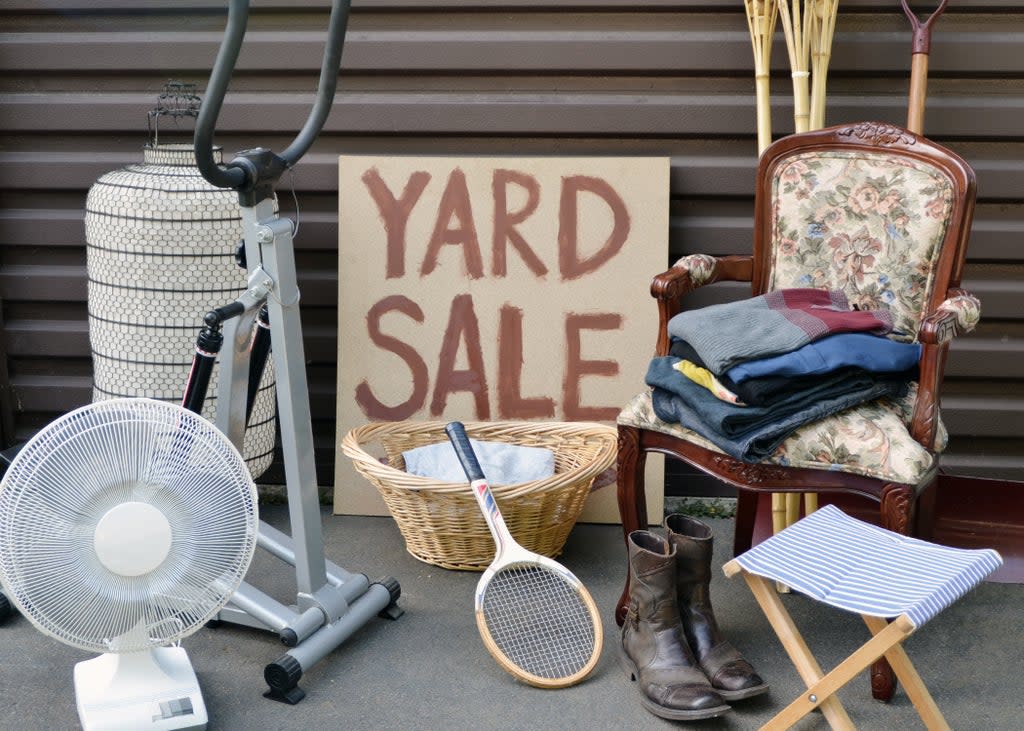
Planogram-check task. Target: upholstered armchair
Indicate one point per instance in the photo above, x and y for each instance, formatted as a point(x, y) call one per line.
point(883, 215)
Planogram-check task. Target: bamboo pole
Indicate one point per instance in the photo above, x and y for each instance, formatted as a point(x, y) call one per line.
point(823, 27)
point(822, 15)
point(808, 27)
point(796, 26)
point(761, 18)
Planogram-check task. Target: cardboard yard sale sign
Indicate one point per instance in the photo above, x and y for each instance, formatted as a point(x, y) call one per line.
point(488, 289)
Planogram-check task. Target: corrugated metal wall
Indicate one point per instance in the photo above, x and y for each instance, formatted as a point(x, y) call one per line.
point(489, 77)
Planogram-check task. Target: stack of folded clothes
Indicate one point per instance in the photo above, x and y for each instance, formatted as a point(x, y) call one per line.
point(745, 375)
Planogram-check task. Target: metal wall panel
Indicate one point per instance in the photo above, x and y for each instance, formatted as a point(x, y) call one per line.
point(488, 77)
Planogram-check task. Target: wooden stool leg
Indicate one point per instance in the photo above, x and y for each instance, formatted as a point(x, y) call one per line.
point(806, 666)
point(912, 683)
point(888, 637)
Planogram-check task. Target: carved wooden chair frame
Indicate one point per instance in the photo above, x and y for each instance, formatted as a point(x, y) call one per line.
point(904, 508)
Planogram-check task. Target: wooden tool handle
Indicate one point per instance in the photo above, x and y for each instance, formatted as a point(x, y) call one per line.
point(920, 46)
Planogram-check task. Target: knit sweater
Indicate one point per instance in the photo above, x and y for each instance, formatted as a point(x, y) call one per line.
point(772, 323)
point(870, 352)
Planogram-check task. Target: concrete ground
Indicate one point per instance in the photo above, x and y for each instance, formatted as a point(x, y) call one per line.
point(429, 670)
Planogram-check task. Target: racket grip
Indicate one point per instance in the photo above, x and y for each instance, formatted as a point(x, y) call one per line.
point(464, 450)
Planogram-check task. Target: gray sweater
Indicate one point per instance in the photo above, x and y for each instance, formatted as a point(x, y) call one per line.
point(769, 324)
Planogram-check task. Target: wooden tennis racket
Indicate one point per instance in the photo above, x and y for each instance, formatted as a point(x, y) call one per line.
point(535, 617)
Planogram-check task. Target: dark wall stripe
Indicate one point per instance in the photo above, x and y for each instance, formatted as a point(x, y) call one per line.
point(490, 77)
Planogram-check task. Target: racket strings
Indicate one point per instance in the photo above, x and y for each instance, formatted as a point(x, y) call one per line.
point(539, 621)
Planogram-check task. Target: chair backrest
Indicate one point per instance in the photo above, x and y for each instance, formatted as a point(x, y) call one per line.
point(871, 209)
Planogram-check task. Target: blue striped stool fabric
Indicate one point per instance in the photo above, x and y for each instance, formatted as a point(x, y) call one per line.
point(852, 565)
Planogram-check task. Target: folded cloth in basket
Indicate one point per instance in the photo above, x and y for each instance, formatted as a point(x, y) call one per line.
point(502, 463)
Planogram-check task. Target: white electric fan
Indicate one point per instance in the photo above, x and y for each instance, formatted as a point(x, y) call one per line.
point(125, 526)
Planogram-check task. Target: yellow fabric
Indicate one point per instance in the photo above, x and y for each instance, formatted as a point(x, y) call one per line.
point(704, 377)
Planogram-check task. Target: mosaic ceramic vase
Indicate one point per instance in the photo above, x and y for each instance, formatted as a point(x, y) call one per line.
point(161, 245)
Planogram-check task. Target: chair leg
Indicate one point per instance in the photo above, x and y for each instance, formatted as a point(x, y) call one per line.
point(746, 517)
point(883, 681)
point(924, 520)
point(632, 497)
point(897, 508)
point(897, 513)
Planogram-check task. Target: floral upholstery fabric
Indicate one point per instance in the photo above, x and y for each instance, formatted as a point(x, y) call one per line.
point(864, 222)
point(870, 440)
point(869, 224)
point(700, 267)
point(967, 309)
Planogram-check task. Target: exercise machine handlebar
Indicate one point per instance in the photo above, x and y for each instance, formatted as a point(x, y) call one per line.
point(254, 172)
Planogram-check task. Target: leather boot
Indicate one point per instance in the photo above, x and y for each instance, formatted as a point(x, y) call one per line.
point(730, 675)
point(654, 650)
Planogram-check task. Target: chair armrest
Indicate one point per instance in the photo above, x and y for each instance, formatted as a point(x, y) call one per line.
point(957, 315)
point(690, 273)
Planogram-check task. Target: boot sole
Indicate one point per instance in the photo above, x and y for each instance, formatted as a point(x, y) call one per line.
point(738, 695)
point(672, 714)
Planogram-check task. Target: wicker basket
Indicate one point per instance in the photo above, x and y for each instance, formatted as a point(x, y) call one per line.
point(440, 521)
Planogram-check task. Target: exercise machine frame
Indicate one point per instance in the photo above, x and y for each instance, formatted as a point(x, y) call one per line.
point(331, 603)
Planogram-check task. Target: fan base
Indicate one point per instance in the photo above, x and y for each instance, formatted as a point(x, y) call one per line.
point(152, 690)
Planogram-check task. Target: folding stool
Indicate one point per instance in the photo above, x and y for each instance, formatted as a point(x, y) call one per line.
point(861, 568)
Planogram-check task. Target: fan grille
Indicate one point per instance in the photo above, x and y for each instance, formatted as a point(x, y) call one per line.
point(80, 467)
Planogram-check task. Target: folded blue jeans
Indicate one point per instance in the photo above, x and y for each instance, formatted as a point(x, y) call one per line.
point(768, 389)
point(751, 433)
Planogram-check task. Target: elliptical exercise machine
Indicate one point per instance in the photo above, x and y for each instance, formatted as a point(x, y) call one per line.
point(331, 603)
